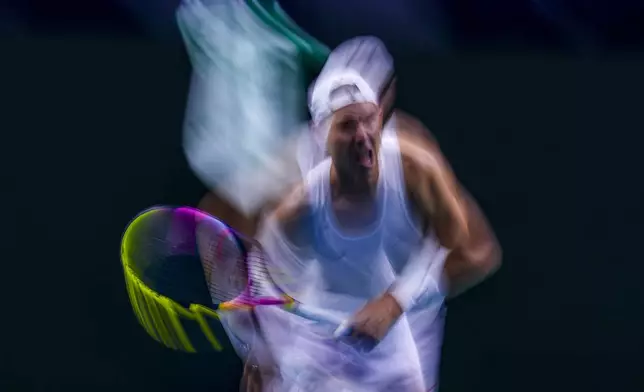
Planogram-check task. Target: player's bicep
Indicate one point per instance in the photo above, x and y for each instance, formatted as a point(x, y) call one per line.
point(436, 192)
point(291, 216)
point(286, 231)
point(450, 211)
point(284, 236)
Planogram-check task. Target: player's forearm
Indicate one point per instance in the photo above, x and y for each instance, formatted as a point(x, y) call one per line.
point(435, 272)
point(463, 271)
point(475, 258)
point(422, 281)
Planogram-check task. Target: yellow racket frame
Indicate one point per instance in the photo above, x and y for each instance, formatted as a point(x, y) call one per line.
point(160, 316)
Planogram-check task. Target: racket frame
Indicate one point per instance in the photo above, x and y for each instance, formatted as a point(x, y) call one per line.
point(246, 301)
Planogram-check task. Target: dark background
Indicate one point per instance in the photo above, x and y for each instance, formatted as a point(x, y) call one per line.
point(538, 106)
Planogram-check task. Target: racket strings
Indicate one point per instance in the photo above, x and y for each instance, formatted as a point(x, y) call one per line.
point(259, 278)
point(223, 263)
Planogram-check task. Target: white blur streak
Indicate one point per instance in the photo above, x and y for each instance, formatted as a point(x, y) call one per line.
point(245, 99)
point(367, 55)
point(311, 146)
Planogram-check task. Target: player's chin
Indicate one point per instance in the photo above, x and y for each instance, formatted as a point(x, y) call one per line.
point(360, 172)
point(364, 169)
point(364, 161)
point(359, 168)
point(365, 165)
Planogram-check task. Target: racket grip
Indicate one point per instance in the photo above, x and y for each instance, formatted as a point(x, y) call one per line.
point(344, 329)
point(318, 315)
point(363, 344)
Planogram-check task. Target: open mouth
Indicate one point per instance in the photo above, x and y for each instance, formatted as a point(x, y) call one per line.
point(366, 158)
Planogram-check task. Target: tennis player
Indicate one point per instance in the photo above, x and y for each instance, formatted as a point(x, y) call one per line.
point(380, 231)
point(367, 234)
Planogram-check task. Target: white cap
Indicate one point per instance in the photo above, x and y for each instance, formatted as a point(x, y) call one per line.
point(335, 90)
point(366, 55)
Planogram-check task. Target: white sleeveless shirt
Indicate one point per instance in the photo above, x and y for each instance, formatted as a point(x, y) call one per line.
point(355, 269)
point(342, 273)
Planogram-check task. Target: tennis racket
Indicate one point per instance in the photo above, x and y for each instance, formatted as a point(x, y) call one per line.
point(181, 263)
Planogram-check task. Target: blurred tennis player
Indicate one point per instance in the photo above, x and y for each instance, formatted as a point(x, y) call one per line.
point(380, 230)
point(367, 234)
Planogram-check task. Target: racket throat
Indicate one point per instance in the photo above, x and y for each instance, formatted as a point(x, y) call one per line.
point(249, 302)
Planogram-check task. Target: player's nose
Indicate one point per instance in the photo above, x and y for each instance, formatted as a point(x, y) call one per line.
point(361, 135)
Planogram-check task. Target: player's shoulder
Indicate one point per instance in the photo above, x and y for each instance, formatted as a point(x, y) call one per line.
point(410, 127)
point(419, 151)
point(294, 206)
point(299, 201)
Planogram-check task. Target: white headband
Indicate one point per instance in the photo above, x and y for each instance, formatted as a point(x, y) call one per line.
point(336, 90)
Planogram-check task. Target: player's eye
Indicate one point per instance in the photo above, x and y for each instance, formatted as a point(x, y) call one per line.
point(348, 125)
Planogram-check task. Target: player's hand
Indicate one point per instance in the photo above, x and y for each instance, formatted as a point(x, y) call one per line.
point(376, 318)
point(251, 378)
point(257, 378)
point(260, 369)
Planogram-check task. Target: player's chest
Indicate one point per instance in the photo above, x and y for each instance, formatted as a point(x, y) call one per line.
point(389, 236)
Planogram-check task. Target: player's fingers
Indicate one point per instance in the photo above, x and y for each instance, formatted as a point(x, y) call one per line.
point(250, 380)
point(358, 329)
point(375, 329)
point(367, 326)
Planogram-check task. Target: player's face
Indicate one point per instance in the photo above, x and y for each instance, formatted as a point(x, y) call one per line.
point(354, 138)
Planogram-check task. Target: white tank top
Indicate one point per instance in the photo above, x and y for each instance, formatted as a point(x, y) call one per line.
point(361, 267)
point(342, 273)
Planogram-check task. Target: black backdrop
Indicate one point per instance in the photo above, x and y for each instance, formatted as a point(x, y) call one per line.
point(547, 144)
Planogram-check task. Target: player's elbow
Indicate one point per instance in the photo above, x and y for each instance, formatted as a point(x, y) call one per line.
point(488, 259)
point(484, 259)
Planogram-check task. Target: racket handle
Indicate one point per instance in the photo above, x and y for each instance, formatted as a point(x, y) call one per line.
point(342, 332)
point(318, 315)
point(363, 344)
point(344, 329)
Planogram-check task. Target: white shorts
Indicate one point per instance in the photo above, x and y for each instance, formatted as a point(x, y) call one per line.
point(311, 360)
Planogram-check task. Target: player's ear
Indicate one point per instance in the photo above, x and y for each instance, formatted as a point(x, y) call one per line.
point(381, 113)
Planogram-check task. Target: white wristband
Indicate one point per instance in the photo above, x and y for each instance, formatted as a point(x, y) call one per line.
point(407, 297)
point(412, 290)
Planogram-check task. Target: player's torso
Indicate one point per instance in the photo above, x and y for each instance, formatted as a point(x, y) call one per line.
point(363, 263)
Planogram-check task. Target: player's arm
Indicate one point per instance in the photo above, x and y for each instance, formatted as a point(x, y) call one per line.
point(455, 219)
point(477, 256)
point(291, 215)
point(218, 206)
point(278, 235)
point(285, 235)
point(243, 327)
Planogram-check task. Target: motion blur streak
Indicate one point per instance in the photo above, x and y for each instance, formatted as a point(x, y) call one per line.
point(245, 99)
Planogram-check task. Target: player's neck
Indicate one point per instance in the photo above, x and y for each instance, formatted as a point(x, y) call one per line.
point(352, 186)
